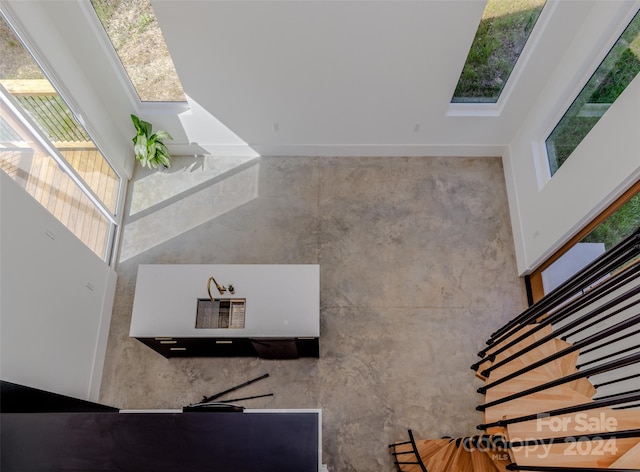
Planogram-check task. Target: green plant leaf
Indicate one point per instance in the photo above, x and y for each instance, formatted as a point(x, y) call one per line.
point(146, 127)
point(164, 160)
point(162, 147)
point(142, 127)
point(140, 147)
point(151, 150)
point(162, 134)
point(136, 122)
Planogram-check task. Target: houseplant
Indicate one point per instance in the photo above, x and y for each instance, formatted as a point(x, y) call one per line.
point(149, 147)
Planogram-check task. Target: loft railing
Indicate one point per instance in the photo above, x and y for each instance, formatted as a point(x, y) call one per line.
point(605, 265)
point(561, 382)
point(590, 327)
point(47, 108)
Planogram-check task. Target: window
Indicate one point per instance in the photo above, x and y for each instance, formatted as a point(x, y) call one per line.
point(46, 150)
point(616, 71)
point(134, 32)
point(617, 222)
point(501, 36)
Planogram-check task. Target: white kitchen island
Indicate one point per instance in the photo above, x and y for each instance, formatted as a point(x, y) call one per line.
point(279, 315)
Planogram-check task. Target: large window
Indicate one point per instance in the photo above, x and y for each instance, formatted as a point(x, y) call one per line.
point(46, 150)
point(136, 37)
point(501, 36)
point(616, 71)
point(617, 222)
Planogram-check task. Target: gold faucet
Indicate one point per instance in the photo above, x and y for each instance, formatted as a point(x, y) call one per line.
point(221, 288)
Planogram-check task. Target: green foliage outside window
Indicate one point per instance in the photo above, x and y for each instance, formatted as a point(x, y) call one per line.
point(501, 36)
point(616, 71)
point(618, 226)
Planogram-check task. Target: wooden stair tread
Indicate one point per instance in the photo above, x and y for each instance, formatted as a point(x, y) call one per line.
point(501, 460)
point(568, 363)
point(549, 372)
point(598, 420)
point(462, 456)
point(522, 382)
point(533, 404)
point(514, 386)
point(583, 386)
point(461, 460)
point(592, 453)
point(440, 460)
point(496, 430)
point(428, 447)
point(498, 456)
point(516, 332)
point(555, 369)
point(525, 342)
point(534, 374)
point(487, 456)
point(481, 461)
point(539, 352)
point(628, 460)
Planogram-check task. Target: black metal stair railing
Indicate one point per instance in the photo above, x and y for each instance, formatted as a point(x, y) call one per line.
point(607, 367)
point(538, 468)
point(604, 436)
point(605, 288)
point(603, 266)
point(593, 318)
point(608, 332)
point(592, 325)
point(605, 401)
point(414, 451)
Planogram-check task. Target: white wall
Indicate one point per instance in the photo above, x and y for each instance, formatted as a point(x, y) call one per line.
point(53, 327)
point(546, 212)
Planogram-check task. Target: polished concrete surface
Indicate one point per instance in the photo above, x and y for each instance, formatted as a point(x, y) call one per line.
point(417, 268)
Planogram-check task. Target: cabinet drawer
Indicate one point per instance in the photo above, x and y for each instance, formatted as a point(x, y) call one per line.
point(201, 347)
point(308, 347)
point(267, 348)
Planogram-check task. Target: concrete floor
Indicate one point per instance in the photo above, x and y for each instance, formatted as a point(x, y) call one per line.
point(417, 268)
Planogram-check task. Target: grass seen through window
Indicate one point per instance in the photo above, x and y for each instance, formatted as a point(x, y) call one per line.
point(136, 37)
point(616, 71)
point(501, 36)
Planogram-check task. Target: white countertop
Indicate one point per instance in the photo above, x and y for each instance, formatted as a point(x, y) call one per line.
point(282, 300)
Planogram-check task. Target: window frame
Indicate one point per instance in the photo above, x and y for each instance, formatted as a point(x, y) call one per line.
point(574, 92)
point(116, 64)
point(34, 130)
point(115, 218)
point(492, 109)
point(535, 278)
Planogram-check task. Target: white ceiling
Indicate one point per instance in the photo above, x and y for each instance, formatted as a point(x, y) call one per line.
point(342, 77)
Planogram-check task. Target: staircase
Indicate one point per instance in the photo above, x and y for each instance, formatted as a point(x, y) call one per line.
point(561, 382)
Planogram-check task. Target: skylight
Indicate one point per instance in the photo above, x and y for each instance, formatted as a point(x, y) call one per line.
point(501, 36)
point(136, 37)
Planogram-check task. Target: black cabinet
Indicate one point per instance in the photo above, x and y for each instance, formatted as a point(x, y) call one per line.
point(162, 442)
point(267, 348)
